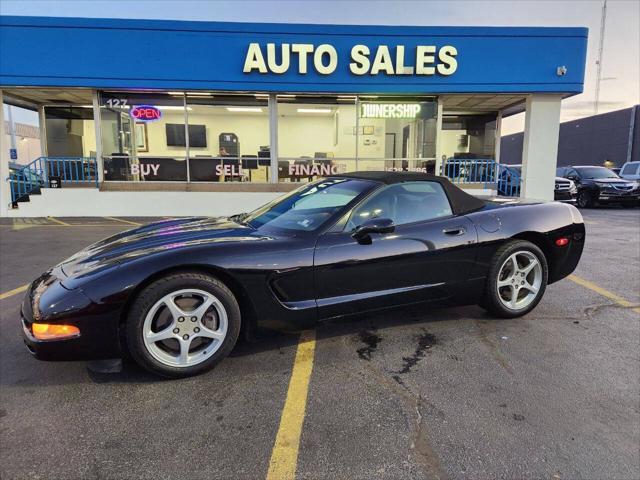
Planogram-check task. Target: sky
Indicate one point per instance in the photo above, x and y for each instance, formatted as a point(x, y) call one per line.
point(620, 86)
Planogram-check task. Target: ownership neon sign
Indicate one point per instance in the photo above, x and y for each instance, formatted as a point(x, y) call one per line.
point(389, 110)
point(146, 113)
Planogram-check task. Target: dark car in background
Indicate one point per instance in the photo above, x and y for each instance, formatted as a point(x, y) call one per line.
point(599, 185)
point(509, 181)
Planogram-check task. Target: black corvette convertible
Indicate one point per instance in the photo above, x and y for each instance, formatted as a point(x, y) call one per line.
point(176, 294)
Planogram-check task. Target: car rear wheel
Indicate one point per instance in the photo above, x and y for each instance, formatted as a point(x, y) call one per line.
point(183, 324)
point(517, 279)
point(585, 199)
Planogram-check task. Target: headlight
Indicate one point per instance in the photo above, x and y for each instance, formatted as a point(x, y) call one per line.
point(572, 187)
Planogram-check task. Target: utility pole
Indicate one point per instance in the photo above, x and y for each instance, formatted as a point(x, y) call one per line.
point(603, 20)
point(12, 128)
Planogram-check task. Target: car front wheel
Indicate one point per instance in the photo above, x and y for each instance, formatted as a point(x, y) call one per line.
point(585, 199)
point(183, 324)
point(517, 279)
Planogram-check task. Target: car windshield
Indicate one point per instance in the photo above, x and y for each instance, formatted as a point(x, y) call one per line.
point(516, 168)
point(596, 172)
point(308, 207)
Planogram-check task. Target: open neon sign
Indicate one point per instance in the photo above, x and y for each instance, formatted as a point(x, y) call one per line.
point(146, 113)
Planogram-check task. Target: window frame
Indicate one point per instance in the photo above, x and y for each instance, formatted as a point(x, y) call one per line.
point(344, 220)
point(325, 226)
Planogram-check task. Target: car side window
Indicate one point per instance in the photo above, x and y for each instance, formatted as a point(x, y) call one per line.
point(403, 203)
point(630, 168)
point(571, 172)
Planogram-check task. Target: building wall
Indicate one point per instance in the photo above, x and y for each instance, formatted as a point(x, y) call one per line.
point(27, 143)
point(588, 141)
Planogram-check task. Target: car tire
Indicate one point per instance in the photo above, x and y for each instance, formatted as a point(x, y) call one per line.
point(505, 279)
point(585, 199)
point(183, 324)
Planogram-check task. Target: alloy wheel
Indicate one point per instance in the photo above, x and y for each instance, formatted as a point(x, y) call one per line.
point(584, 199)
point(519, 280)
point(185, 327)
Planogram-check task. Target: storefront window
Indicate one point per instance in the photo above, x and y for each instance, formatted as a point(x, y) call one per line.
point(467, 138)
point(316, 136)
point(143, 137)
point(70, 131)
point(228, 138)
point(397, 134)
point(211, 137)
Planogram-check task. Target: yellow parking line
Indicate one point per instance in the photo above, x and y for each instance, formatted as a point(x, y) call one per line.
point(605, 293)
point(123, 221)
point(60, 222)
point(284, 456)
point(13, 292)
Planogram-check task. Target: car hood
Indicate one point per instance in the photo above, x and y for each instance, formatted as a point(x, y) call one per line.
point(157, 237)
point(611, 181)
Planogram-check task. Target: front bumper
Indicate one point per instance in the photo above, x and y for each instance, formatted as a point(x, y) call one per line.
point(47, 301)
point(564, 195)
point(617, 196)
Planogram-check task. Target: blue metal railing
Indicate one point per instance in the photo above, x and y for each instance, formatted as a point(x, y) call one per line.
point(471, 170)
point(485, 171)
point(36, 174)
point(508, 182)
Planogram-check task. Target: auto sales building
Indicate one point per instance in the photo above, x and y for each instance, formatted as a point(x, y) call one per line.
point(199, 118)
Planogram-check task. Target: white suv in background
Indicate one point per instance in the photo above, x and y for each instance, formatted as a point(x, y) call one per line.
point(630, 171)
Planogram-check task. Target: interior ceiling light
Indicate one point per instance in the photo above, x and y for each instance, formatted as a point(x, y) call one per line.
point(172, 107)
point(314, 110)
point(245, 109)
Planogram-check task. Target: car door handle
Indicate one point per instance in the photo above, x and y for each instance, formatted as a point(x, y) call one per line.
point(454, 231)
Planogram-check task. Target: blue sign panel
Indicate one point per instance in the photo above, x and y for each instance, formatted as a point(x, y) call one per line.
point(288, 57)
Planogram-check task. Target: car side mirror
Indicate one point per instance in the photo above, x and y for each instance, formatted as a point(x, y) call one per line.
point(373, 225)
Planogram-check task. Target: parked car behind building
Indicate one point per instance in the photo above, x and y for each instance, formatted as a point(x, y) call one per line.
point(599, 185)
point(509, 184)
point(630, 171)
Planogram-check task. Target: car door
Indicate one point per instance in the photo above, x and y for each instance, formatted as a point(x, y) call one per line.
point(429, 252)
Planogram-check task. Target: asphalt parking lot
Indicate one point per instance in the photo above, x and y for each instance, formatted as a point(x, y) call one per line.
point(421, 393)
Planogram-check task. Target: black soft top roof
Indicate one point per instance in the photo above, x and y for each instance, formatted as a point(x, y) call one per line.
point(461, 201)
